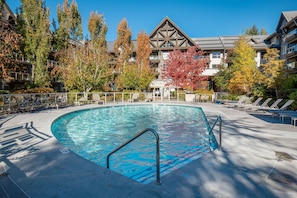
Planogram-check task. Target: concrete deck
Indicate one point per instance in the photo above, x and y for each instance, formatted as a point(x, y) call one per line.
point(258, 160)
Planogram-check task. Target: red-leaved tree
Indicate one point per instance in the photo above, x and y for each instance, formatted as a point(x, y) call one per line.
point(184, 69)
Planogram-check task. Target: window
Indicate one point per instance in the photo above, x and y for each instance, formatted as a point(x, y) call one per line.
point(216, 55)
point(215, 66)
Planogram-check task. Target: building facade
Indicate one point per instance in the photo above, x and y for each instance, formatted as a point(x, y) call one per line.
point(167, 36)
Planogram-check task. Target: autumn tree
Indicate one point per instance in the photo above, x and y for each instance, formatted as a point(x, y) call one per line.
point(123, 46)
point(129, 78)
point(223, 76)
point(70, 24)
point(9, 49)
point(37, 38)
point(184, 69)
point(273, 70)
point(243, 65)
point(143, 51)
point(138, 76)
point(85, 64)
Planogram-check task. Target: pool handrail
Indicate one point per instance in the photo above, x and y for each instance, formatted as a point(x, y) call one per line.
point(219, 118)
point(157, 151)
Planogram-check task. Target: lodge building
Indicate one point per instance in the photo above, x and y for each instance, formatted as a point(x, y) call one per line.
point(167, 36)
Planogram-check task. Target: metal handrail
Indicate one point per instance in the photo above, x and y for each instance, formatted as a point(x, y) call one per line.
point(220, 130)
point(157, 151)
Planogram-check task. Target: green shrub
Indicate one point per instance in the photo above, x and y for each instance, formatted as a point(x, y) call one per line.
point(36, 90)
point(293, 96)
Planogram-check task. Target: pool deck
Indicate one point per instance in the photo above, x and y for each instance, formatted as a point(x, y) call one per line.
point(258, 159)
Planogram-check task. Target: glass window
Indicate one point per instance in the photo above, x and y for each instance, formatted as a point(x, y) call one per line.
point(216, 55)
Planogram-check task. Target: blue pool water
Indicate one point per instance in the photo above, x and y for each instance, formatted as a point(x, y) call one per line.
point(93, 133)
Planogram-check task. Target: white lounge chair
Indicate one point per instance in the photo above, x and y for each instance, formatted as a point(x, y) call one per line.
point(273, 106)
point(242, 100)
point(134, 98)
point(149, 97)
point(251, 105)
point(96, 98)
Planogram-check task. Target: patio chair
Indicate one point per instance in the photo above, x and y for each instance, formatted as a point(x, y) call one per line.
point(134, 98)
point(242, 100)
point(271, 107)
point(149, 97)
point(251, 105)
point(96, 98)
point(260, 105)
point(204, 98)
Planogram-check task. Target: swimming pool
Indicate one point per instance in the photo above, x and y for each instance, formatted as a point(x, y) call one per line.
point(93, 133)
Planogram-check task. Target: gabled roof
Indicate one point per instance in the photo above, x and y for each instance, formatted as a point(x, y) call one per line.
point(285, 17)
point(6, 11)
point(167, 35)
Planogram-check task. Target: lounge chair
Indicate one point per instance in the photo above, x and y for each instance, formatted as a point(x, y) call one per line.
point(251, 105)
point(134, 98)
point(242, 100)
point(82, 101)
point(149, 97)
point(204, 98)
point(273, 106)
point(96, 98)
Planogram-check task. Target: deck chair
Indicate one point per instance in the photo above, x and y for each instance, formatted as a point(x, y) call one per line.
point(82, 101)
point(271, 107)
point(242, 100)
point(263, 105)
point(149, 97)
point(134, 98)
point(96, 98)
point(204, 98)
point(286, 105)
point(250, 106)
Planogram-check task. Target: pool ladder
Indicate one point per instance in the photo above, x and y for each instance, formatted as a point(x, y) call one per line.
point(219, 119)
point(157, 151)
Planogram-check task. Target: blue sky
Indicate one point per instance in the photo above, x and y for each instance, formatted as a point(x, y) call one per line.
point(197, 18)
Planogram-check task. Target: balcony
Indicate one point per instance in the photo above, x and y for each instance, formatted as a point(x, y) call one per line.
point(20, 76)
point(291, 36)
point(291, 65)
point(292, 51)
point(154, 58)
point(132, 59)
point(52, 63)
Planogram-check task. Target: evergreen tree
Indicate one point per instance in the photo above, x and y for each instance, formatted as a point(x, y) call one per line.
point(255, 31)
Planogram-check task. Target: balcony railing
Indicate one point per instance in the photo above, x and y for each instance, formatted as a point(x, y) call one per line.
point(154, 58)
point(291, 35)
point(132, 59)
point(52, 63)
point(292, 49)
point(19, 76)
point(291, 65)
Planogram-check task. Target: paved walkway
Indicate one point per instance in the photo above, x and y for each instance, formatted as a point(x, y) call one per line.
point(258, 160)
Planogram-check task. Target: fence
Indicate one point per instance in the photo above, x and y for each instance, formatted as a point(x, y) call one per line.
point(14, 103)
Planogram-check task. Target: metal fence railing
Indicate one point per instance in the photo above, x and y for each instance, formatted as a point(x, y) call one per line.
point(13, 103)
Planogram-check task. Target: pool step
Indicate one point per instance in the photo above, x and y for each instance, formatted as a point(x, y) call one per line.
point(174, 163)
